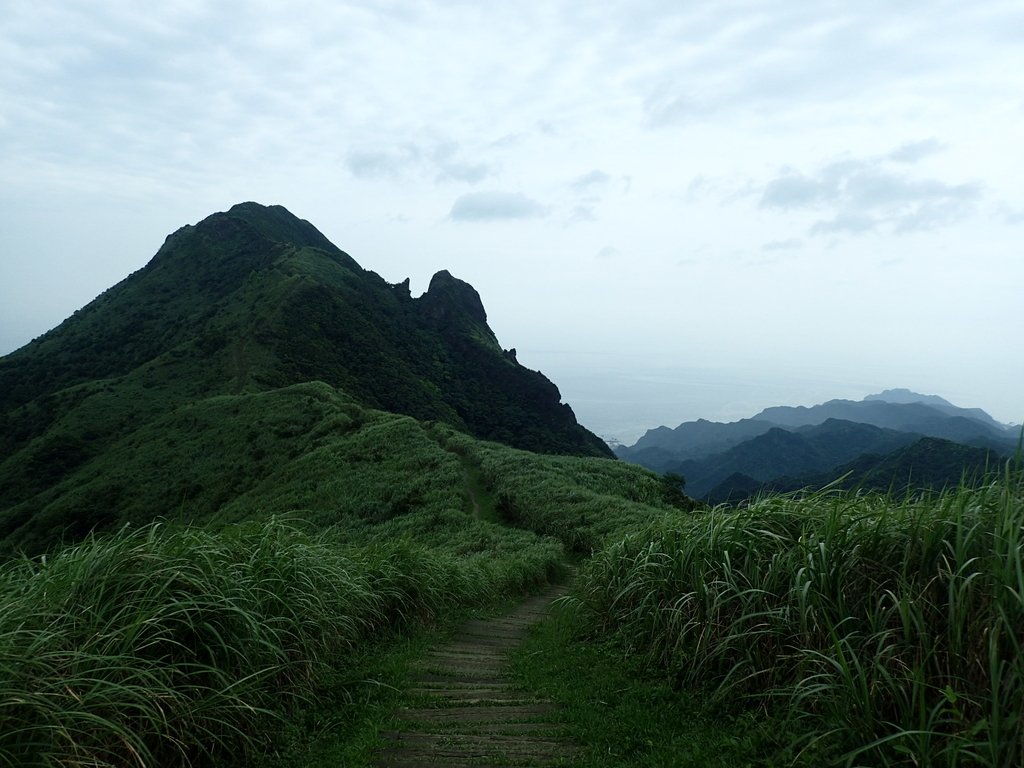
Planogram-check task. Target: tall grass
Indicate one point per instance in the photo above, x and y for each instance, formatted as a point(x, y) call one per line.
point(155, 647)
point(884, 631)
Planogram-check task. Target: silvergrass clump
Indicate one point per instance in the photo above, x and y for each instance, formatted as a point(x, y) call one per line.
point(161, 647)
point(885, 631)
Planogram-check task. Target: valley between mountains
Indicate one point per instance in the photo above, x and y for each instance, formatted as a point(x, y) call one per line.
point(260, 507)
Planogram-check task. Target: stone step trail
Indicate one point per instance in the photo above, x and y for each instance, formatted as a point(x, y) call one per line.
point(467, 714)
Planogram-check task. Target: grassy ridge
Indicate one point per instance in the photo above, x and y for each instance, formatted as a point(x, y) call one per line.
point(157, 646)
point(308, 450)
point(228, 458)
point(248, 301)
point(881, 631)
point(581, 501)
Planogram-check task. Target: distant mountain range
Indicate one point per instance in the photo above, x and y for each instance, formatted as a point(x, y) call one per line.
point(927, 463)
point(887, 439)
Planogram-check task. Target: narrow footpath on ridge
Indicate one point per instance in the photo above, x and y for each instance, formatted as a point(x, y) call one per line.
point(465, 711)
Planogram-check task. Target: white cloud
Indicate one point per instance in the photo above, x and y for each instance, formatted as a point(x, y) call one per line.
point(442, 161)
point(698, 187)
point(845, 222)
point(583, 213)
point(495, 206)
point(914, 151)
point(470, 173)
point(1011, 216)
point(862, 195)
point(795, 190)
point(790, 244)
point(378, 164)
point(775, 58)
point(596, 178)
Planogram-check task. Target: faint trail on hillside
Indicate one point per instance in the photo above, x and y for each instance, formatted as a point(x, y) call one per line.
point(241, 364)
point(473, 496)
point(481, 504)
point(468, 714)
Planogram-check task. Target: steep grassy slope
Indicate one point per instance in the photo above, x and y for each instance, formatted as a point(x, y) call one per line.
point(306, 450)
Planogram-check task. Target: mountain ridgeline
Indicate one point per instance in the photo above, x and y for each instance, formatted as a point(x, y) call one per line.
point(245, 302)
point(895, 440)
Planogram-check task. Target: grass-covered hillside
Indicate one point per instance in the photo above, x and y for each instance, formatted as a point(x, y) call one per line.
point(829, 629)
point(833, 629)
point(307, 450)
point(255, 299)
point(167, 644)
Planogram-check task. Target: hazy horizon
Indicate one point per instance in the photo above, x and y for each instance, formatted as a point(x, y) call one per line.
point(672, 212)
point(620, 406)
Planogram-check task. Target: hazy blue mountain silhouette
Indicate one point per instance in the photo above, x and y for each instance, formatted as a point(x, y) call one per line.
point(780, 452)
point(692, 440)
point(926, 464)
point(906, 396)
point(787, 442)
point(950, 422)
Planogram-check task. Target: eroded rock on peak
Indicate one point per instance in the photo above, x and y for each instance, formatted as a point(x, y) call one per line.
point(448, 295)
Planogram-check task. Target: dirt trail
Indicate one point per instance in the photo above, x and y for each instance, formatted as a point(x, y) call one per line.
point(469, 714)
point(473, 497)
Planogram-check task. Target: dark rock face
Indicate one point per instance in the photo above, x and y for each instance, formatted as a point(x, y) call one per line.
point(452, 302)
point(445, 289)
point(402, 289)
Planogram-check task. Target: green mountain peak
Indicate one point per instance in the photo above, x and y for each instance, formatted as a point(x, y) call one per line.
point(253, 300)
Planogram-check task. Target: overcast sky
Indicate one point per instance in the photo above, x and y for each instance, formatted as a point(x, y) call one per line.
point(674, 210)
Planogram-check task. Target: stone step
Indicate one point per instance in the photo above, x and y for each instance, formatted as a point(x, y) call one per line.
point(478, 714)
point(479, 720)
